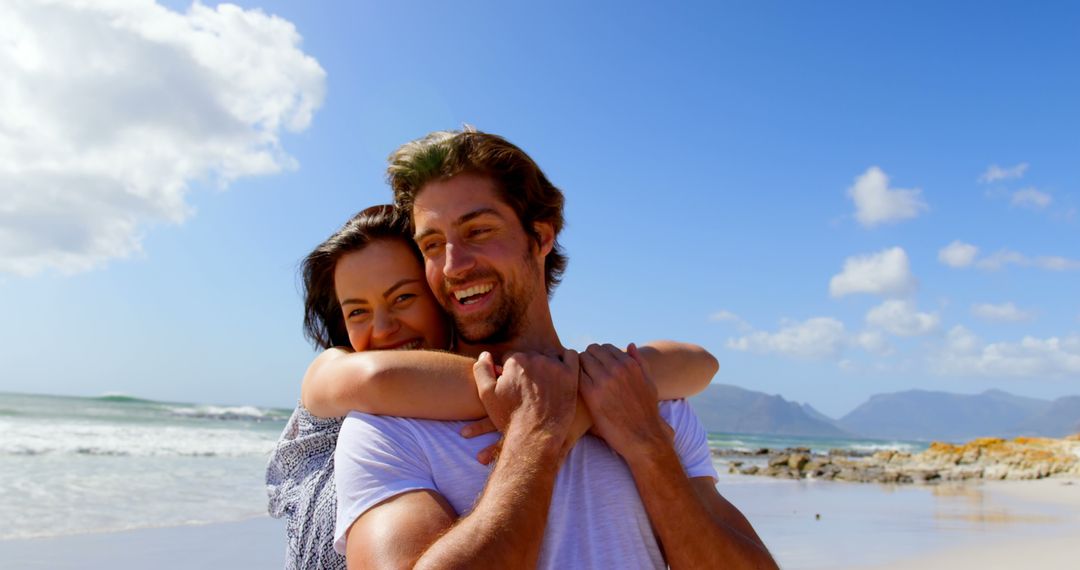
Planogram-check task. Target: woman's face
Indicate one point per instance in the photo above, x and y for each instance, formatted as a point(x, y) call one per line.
point(385, 299)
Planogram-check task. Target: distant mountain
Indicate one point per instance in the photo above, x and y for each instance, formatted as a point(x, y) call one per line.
point(922, 414)
point(1061, 418)
point(813, 413)
point(730, 409)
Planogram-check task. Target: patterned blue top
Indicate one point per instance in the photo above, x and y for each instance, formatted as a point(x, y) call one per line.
point(300, 483)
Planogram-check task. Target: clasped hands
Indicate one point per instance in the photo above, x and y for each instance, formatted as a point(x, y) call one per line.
point(602, 390)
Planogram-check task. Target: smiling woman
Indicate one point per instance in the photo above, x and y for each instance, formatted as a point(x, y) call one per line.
point(391, 308)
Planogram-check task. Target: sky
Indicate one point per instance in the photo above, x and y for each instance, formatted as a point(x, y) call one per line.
point(836, 199)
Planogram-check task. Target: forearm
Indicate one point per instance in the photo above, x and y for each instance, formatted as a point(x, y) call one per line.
point(678, 369)
point(409, 383)
point(694, 533)
point(506, 528)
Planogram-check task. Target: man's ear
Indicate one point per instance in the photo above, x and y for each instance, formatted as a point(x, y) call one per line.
point(545, 234)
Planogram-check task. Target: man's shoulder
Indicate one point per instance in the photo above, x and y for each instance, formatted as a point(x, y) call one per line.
point(401, 423)
point(672, 409)
point(393, 426)
point(368, 433)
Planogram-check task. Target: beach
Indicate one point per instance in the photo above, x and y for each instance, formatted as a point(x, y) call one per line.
point(253, 543)
point(975, 525)
point(1053, 546)
point(123, 483)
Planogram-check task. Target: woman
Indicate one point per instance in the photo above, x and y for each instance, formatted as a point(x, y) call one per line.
point(367, 304)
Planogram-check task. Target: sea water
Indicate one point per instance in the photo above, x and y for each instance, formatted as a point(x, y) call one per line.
point(74, 465)
point(71, 465)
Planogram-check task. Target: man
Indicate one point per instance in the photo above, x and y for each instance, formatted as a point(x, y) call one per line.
point(487, 220)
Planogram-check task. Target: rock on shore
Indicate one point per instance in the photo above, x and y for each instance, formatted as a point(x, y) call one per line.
point(986, 458)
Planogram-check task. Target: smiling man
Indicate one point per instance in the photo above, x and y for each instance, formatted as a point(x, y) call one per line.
point(639, 493)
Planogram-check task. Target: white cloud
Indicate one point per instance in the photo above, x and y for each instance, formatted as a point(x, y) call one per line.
point(725, 316)
point(818, 337)
point(1031, 198)
point(1003, 258)
point(1004, 312)
point(872, 341)
point(958, 254)
point(995, 172)
point(962, 341)
point(876, 203)
point(964, 354)
point(902, 319)
point(109, 111)
point(884, 273)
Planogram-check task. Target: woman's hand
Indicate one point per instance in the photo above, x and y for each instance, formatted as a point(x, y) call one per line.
point(620, 395)
point(480, 427)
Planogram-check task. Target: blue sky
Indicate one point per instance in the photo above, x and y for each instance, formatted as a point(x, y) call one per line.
point(837, 200)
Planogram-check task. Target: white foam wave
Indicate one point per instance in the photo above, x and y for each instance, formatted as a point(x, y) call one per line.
point(250, 413)
point(69, 438)
point(891, 446)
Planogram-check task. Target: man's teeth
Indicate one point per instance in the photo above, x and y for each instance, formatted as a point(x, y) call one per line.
point(472, 292)
point(414, 345)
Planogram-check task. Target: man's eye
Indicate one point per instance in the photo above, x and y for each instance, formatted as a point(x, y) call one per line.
point(478, 232)
point(431, 247)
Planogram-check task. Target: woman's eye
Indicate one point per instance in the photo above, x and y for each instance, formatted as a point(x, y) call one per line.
point(357, 313)
point(404, 297)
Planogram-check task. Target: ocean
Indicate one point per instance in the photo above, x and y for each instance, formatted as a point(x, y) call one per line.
point(74, 465)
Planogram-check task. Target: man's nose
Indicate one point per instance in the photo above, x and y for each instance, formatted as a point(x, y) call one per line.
point(458, 261)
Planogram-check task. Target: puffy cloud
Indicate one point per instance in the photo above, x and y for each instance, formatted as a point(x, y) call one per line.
point(724, 316)
point(1005, 312)
point(818, 337)
point(960, 340)
point(1031, 198)
point(995, 172)
point(872, 341)
point(902, 319)
point(884, 273)
point(958, 254)
point(109, 111)
point(1003, 258)
point(964, 354)
point(876, 203)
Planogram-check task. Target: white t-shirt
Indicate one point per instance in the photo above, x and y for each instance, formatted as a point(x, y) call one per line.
point(596, 518)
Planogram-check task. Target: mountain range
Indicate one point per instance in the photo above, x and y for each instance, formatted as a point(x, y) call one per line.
point(911, 415)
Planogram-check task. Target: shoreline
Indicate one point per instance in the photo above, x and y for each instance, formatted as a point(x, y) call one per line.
point(988, 459)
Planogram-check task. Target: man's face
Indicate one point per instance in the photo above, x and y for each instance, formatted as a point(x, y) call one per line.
point(482, 266)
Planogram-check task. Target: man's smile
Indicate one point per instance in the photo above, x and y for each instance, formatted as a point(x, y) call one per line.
point(473, 294)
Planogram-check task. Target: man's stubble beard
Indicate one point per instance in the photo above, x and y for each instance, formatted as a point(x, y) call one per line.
point(508, 319)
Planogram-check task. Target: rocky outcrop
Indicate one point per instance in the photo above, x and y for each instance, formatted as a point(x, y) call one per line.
point(986, 458)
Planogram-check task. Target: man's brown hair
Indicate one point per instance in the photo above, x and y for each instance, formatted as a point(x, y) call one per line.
point(441, 155)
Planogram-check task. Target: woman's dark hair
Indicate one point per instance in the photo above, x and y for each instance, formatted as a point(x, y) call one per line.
point(324, 325)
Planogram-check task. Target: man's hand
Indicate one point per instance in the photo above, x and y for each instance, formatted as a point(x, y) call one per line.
point(534, 392)
point(622, 399)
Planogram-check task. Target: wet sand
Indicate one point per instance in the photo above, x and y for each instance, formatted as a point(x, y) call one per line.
point(1053, 546)
point(253, 543)
point(806, 524)
point(823, 524)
